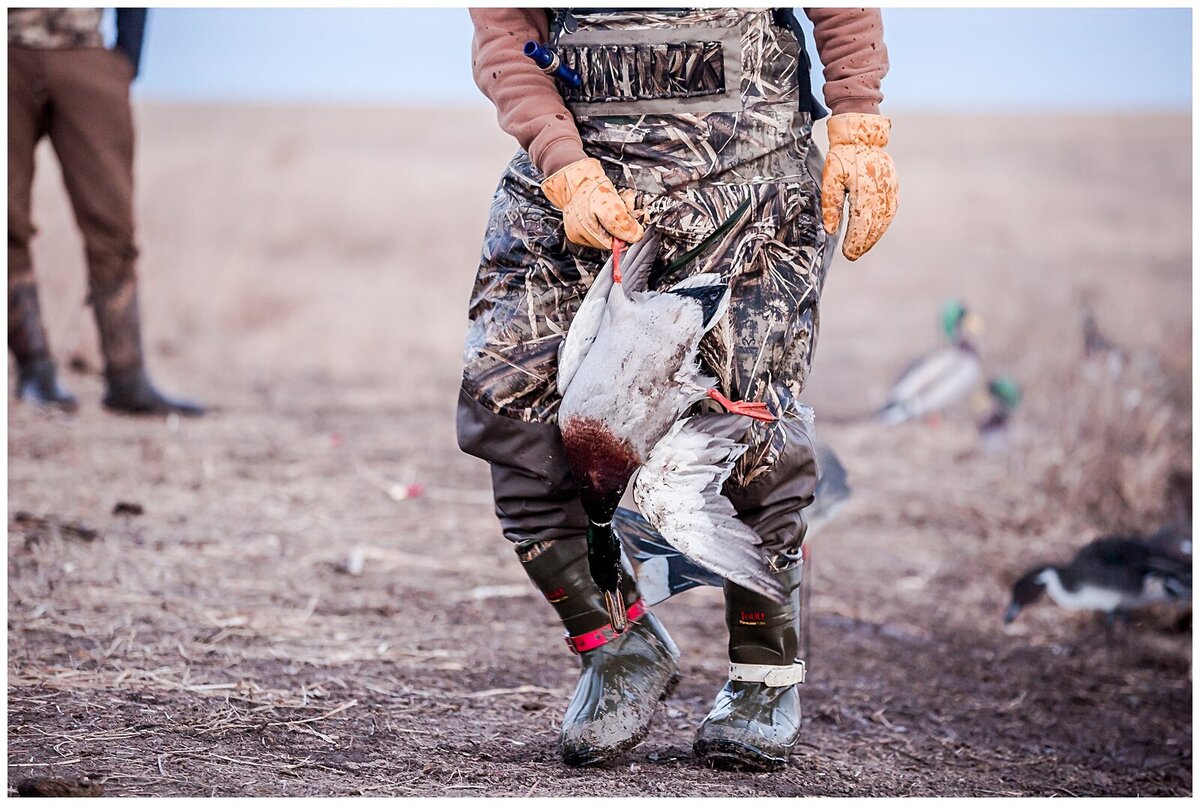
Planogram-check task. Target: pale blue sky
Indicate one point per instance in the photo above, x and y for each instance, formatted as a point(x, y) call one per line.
point(941, 58)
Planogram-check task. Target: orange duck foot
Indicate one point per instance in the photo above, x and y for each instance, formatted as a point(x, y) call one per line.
point(754, 410)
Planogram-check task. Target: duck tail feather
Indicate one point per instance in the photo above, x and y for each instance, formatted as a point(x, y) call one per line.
point(638, 261)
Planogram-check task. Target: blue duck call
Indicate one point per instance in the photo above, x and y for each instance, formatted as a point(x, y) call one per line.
point(550, 64)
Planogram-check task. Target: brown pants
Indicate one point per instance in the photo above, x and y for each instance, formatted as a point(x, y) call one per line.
point(79, 97)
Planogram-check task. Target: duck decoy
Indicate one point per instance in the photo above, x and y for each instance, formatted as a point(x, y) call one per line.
point(628, 372)
point(663, 572)
point(941, 379)
point(1005, 396)
point(1102, 357)
point(1174, 536)
point(1113, 575)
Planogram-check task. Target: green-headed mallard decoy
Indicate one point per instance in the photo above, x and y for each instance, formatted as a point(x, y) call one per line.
point(941, 379)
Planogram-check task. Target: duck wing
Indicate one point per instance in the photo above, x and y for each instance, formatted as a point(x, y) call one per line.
point(635, 268)
point(637, 261)
point(679, 491)
point(1125, 563)
point(933, 383)
point(664, 572)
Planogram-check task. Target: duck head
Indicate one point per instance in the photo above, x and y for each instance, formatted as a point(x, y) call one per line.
point(602, 466)
point(1006, 396)
point(1026, 590)
point(1005, 391)
point(960, 325)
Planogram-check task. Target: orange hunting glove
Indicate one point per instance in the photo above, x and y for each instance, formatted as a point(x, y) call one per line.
point(858, 166)
point(592, 211)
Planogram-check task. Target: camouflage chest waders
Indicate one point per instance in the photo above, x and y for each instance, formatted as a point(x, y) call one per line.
point(698, 111)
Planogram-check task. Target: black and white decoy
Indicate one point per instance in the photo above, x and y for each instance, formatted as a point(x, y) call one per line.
point(1113, 575)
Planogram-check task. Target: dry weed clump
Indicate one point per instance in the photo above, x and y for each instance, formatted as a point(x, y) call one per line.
point(1125, 443)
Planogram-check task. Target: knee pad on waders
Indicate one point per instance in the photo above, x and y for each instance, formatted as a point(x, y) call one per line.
point(623, 677)
point(755, 720)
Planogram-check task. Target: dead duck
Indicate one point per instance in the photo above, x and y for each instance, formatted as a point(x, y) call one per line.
point(941, 379)
point(1113, 575)
point(628, 372)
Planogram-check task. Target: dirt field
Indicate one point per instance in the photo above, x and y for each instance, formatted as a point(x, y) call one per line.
point(275, 623)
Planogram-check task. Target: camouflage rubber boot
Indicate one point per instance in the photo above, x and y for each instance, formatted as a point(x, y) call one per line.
point(37, 379)
point(624, 676)
point(755, 721)
point(130, 390)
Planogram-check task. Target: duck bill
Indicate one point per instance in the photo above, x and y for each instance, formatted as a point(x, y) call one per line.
point(604, 563)
point(1011, 613)
point(617, 615)
point(972, 325)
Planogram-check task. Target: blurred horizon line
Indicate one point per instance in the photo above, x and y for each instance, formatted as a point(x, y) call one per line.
point(990, 110)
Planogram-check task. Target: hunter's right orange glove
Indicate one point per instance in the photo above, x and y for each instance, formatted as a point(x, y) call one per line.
point(592, 211)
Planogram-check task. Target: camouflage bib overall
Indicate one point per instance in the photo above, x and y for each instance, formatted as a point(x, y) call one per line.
point(699, 112)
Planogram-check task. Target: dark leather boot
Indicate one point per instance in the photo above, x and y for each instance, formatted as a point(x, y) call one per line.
point(755, 721)
point(37, 380)
point(624, 676)
point(130, 390)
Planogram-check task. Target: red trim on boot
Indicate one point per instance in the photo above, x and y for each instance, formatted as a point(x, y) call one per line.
point(596, 638)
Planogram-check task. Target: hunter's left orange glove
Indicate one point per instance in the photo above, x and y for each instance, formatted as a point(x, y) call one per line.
point(858, 166)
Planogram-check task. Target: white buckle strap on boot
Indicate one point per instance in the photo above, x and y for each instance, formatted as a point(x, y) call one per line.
point(773, 676)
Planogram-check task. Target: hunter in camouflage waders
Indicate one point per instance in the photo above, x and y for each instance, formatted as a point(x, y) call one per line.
point(694, 154)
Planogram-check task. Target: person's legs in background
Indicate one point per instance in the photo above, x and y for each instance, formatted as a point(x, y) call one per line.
point(37, 380)
point(91, 129)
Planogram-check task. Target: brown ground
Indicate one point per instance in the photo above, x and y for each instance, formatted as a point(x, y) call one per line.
point(307, 271)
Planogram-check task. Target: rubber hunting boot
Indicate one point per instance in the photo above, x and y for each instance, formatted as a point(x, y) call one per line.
point(755, 721)
point(624, 676)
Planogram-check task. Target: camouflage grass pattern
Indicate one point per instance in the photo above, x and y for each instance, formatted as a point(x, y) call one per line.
point(683, 70)
point(55, 27)
point(691, 173)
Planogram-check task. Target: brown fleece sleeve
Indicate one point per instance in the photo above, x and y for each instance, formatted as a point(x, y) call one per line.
point(527, 102)
point(850, 44)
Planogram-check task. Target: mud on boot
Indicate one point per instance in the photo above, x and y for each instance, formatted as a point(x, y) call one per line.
point(624, 676)
point(755, 722)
